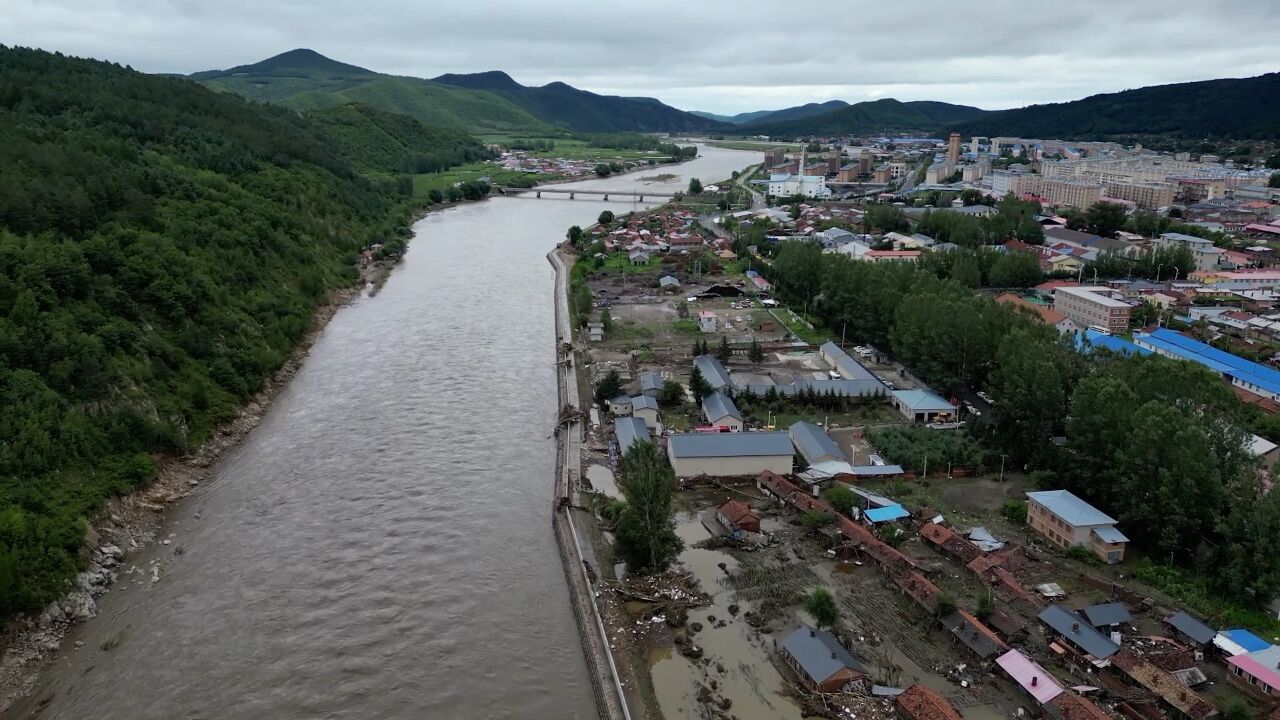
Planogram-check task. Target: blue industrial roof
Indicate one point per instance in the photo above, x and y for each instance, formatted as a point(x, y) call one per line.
point(1183, 347)
point(839, 388)
point(1246, 640)
point(850, 369)
point(885, 514)
point(813, 443)
point(630, 430)
point(924, 401)
point(712, 371)
point(1093, 339)
point(717, 405)
point(877, 470)
point(1070, 508)
point(739, 444)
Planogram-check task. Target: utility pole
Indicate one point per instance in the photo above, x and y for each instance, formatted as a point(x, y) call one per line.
point(1002, 457)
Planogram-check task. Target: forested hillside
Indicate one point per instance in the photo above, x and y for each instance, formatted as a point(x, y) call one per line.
point(374, 140)
point(162, 250)
point(1231, 108)
point(306, 80)
point(876, 116)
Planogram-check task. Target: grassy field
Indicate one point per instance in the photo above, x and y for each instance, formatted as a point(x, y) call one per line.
point(751, 145)
point(424, 183)
point(570, 149)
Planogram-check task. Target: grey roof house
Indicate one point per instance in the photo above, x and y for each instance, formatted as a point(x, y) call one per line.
point(630, 430)
point(1191, 628)
point(712, 371)
point(651, 384)
point(721, 410)
point(1077, 631)
point(813, 443)
point(1107, 615)
point(821, 661)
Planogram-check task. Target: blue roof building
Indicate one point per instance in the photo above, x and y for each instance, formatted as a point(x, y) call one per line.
point(720, 410)
point(922, 405)
point(630, 431)
point(712, 371)
point(1257, 379)
point(1091, 339)
point(814, 444)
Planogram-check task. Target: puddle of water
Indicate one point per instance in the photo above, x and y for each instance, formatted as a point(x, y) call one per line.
point(748, 678)
point(602, 481)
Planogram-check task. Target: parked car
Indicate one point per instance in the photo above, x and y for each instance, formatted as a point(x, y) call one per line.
point(986, 398)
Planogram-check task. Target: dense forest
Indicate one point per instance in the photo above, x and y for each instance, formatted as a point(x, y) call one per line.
point(375, 140)
point(865, 118)
point(1157, 443)
point(163, 248)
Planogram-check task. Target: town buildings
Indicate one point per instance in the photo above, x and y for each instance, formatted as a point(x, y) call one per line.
point(1093, 307)
point(738, 518)
point(1207, 256)
point(630, 431)
point(1067, 521)
point(721, 411)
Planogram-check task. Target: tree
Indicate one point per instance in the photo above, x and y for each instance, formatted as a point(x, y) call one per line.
point(698, 385)
point(606, 217)
point(1104, 218)
point(814, 519)
point(821, 606)
point(841, 498)
point(608, 387)
point(724, 351)
point(1273, 160)
point(986, 605)
point(575, 236)
point(695, 186)
point(755, 353)
point(453, 193)
point(682, 310)
point(1015, 269)
point(1234, 709)
point(1274, 180)
point(606, 319)
point(435, 195)
point(885, 218)
point(672, 394)
point(603, 170)
point(966, 272)
point(1030, 393)
point(646, 530)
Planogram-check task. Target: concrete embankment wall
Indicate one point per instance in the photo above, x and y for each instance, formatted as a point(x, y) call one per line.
point(607, 686)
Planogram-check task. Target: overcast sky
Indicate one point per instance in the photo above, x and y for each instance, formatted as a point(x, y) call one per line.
point(721, 56)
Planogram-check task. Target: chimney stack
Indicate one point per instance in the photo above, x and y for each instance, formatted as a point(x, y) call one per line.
point(1075, 627)
point(1035, 681)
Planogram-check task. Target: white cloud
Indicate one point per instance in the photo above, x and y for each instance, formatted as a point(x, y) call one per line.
point(721, 56)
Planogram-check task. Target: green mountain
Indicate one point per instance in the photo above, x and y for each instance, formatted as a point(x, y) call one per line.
point(376, 140)
point(798, 112)
point(583, 111)
point(866, 118)
point(735, 119)
point(163, 249)
point(307, 80)
point(1230, 108)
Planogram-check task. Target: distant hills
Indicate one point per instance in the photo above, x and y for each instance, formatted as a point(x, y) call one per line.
point(376, 140)
point(864, 118)
point(791, 113)
point(306, 80)
point(579, 110)
point(482, 102)
point(1230, 108)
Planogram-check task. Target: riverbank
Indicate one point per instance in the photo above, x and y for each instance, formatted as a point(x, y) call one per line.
point(132, 522)
point(607, 685)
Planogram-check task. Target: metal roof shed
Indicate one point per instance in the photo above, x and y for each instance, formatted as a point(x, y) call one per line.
point(1107, 614)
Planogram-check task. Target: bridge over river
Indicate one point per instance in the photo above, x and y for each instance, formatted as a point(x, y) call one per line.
point(605, 195)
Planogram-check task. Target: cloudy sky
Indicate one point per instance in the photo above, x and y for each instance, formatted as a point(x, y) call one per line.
point(721, 56)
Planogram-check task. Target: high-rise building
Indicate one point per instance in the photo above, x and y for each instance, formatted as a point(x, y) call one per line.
point(953, 148)
point(864, 161)
point(773, 157)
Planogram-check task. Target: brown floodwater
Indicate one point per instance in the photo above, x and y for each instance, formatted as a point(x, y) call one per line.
point(380, 546)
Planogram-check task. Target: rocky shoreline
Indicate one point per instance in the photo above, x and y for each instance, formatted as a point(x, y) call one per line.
point(131, 522)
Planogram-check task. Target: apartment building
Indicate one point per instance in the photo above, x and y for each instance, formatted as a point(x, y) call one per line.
point(1092, 307)
point(1207, 256)
point(1147, 195)
point(1073, 193)
point(1004, 182)
point(1066, 521)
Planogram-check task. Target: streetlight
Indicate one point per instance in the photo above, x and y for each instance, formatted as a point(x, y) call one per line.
point(1158, 269)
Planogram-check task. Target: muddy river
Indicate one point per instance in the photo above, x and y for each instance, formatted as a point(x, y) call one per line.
point(380, 546)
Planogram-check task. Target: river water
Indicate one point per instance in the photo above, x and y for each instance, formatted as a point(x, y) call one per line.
point(381, 545)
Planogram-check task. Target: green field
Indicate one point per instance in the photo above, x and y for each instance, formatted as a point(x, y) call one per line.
point(424, 183)
point(752, 145)
point(571, 149)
